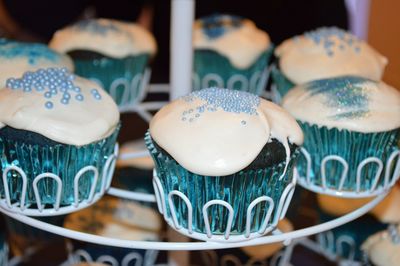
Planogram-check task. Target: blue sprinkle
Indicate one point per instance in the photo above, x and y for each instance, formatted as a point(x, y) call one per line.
point(77, 89)
point(183, 118)
point(64, 101)
point(66, 95)
point(97, 96)
point(94, 91)
point(243, 122)
point(79, 97)
point(197, 115)
point(47, 94)
point(49, 105)
point(54, 91)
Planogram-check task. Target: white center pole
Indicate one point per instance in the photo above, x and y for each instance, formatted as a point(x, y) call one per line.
point(181, 56)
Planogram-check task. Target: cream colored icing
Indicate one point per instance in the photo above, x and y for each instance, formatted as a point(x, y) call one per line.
point(387, 211)
point(328, 52)
point(242, 45)
point(76, 123)
point(118, 219)
point(262, 252)
point(227, 136)
point(131, 147)
point(381, 250)
point(17, 58)
point(361, 105)
point(110, 37)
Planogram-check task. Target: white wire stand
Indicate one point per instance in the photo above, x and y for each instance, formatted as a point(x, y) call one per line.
point(38, 209)
point(391, 174)
point(171, 217)
point(255, 84)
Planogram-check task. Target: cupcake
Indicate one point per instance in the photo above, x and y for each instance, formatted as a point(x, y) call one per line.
point(218, 145)
point(113, 53)
point(3, 249)
point(324, 53)
point(230, 52)
point(134, 174)
point(345, 241)
point(17, 57)
point(57, 134)
point(383, 248)
point(352, 128)
point(253, 255)
point(115, 218)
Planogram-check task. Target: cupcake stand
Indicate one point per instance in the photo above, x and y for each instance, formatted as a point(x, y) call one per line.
point(180, 77)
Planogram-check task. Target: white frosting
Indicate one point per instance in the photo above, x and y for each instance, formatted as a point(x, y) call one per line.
point(109, 37)
point(241, 45)
point(262, 252)
point(328, 52)
point(381, 250)
point(361, 105)
point(76, 123)
point(16, 58)
point(131, 147)
point(387, 211)
point(220, 142)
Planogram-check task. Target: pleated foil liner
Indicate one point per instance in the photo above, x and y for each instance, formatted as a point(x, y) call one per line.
point(239, 190)
point(283, 84)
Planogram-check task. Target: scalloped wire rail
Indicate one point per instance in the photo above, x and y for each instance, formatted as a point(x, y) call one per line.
point(276, 236)
point(227, 237)
point(22, 207)
point(375, 190)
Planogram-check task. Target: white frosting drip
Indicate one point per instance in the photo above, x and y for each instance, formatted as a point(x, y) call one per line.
point(16, 66)
point(302, 60)
point(381, 250)
point(128, 39)
point(217, 143)
point(242, 46)
point(383, 106)
point(77, 123)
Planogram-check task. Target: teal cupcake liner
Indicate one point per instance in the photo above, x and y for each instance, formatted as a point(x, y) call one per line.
point(354, 148)
point(121, 78)
point(282, 83)
point(212, 69)
point(239, 190)
point(62, 160)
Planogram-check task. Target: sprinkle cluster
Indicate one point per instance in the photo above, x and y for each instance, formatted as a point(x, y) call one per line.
point(216, 25)
point(346, 94)
point(95, 26)
point(51, 82)
point(331, 38)
point(33, 52)
point(231, 101)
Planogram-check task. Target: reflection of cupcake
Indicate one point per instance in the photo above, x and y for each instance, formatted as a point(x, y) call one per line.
point(111, 52)
point(253, 255)
point(230, 52)
point(3, 249)
point(220, 144)
point(55, 123)
point(347, 118)
point(325, 53)
point(115, 218)
point(383, 248)
point(345, 241)
point(134, 174)
point(17, 58)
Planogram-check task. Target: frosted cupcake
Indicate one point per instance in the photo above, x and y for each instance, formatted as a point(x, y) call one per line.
point(383, 248)
point(352, 118)
point(324, 53)
point(230, 52)
point(16, 58)
point(113, 53)
point(54, 122)
point(221, 144)
point(115, 218)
